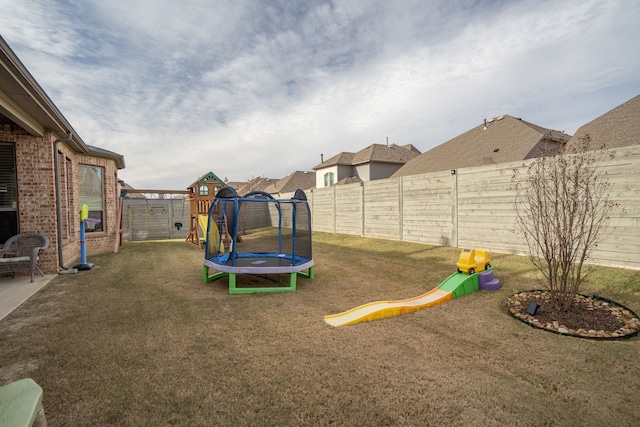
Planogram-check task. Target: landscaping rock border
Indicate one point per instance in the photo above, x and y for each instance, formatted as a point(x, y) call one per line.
point(628, 320)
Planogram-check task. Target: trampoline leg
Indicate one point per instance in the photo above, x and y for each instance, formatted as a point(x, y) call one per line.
point(292, 281)
point(308, 275)
point(232, 282)
point(206, 277)
point(210, 278)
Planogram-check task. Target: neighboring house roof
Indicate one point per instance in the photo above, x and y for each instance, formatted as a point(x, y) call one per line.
point(349, 180)
point(207, 177)
point(503, 139)
point(409, 147)
point(236, 184)
point(344, 158)
point(292, 182)
point(379, 153)
point(256, 184)
point(126, 187)
point(374, 153)
point(24, 102)
point(619, 127)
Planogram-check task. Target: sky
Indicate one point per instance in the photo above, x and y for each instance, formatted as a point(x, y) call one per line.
point(263, 88)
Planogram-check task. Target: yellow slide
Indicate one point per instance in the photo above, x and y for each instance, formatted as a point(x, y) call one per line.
point(381, 309)
point(214, 234)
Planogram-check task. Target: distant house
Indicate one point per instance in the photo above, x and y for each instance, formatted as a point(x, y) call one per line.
point(335, 169)
point(236, 184)
point(47, 172)
point(376, 161)
point(255, 184)
point(292, 182)
point(617, 128)
point(502, 139)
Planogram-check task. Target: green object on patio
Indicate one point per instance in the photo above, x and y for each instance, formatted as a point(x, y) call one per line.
point(20, 402)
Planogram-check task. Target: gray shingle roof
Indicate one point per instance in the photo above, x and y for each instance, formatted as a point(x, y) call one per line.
point(373, 153)
point(236, 184)
point(292, 182)
point(256, 184)
point(384, 154)
point(619, 127)
point(349, 180)
point(409, 147)
point(344, 158)
point(505, 139)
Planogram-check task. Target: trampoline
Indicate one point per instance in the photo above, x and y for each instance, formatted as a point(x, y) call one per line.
point(258, 234)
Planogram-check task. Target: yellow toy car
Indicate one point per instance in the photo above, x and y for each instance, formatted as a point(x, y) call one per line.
point(473, 261)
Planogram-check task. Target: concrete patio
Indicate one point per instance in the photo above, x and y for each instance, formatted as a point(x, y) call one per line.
point(13, 292)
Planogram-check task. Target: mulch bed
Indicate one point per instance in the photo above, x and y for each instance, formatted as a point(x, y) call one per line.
point(588, 317)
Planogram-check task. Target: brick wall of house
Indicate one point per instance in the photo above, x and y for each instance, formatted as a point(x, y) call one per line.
point(37, 196)
point(36, 190)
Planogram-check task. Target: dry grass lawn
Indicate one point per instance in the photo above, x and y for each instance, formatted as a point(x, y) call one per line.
point(140, 341)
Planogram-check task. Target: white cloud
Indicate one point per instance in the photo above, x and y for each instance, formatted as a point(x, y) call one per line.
point(250, 88)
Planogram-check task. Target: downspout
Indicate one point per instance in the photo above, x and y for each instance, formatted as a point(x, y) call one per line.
point(56, 163)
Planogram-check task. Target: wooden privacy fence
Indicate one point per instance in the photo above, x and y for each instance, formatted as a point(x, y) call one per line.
point(469, 208)
point(152, 219)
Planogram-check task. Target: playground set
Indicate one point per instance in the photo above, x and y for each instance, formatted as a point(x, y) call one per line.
point(276, 238)
point(475, 272)
point(201, 194)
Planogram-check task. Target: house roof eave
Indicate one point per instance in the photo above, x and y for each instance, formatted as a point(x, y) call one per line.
point(30, 107)
point(106, 154)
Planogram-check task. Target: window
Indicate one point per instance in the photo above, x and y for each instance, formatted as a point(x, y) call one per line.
point(204, 190)
point(91, 180)
point(328, 179)
point(8, 192)
point(65, 195)
point(69, 188)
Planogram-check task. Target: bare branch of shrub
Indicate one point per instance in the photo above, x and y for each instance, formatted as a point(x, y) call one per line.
point(563, 213)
